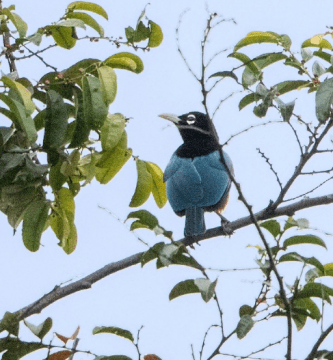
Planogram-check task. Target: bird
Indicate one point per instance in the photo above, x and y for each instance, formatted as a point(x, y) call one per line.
point(196, 179)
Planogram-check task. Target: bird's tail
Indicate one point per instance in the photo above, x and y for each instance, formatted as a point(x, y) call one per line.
point(195, 221)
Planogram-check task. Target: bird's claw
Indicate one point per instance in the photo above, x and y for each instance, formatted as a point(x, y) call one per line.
point(225, 224)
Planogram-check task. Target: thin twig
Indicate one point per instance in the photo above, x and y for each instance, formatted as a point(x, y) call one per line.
point(310, 191)
point(271, 167)
point(178, 45)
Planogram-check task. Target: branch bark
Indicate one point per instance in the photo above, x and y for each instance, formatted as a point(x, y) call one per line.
point(83, 284)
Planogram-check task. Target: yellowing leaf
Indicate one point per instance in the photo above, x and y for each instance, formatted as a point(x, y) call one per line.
point(158, 186)
point(112, 161)
point(88, 6)
point(112, 131)
point(143, 186)
point(156, 35)
point(63, 36)
point(94, 108)
point(108, 80)
point(34, 221)
point(88, 20)
point(125, 60)
point(23, 92)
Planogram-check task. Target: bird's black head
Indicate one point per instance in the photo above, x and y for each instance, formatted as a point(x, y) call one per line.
point(197, 132)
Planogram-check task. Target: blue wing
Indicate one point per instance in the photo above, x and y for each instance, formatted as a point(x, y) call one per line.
point(200, 182)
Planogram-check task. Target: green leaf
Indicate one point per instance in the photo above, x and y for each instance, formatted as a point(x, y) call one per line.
point(42, 329)
point(245, 310)
point(20, 25)
point(246, 61)
point(311, 307)
point(249, 78)
point(317, 41)
point(22, 91)
point(82, 128)
point(324, 99)
point(55, 121)
point(286, 86)
point(286, 110)
point(245, 324)
point(6, 133)
point(39, 120)
point(323, 55)
point(299, 319)
point(156, 35)
point(112, 161)
point(51, 81)
point(23, 121)
point(294, 256)
point(152, 253)
point(261, 110)
point(184, 288)
point(94, 109)
point(328, 269)
point(56, 178)
point(76, 72)
point(125, 60)
point(69, 166)
point(206, 288)
point(62, 220)
point(148, 220)
point(143, 186)
point(88, 20)
point(34, 221)
point(315, 290)
point(158, 186)
point(63, 36)
point(88, 6)
point(248, 99)
point(112, 131)
point(318, 69)
point(224, 74)
point(257, 37)
point(108, 80)
point(272, 226)
point(72, 23)
point(36, 38)
point(10, 323)
point(167, 254)
point(17, 349)
point(304, 239)
point(113, 330)
point(141, 33)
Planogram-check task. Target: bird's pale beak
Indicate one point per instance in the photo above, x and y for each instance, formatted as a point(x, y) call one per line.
point(171, 117)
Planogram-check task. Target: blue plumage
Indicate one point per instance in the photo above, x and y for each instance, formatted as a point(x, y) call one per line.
point(196, 179)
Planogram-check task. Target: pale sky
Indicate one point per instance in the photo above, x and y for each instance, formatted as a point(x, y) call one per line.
point(136, 296)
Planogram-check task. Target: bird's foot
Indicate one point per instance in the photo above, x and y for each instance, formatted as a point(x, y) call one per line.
point(225, 224)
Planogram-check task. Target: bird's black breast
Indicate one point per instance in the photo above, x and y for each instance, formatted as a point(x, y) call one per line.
point(194, 149)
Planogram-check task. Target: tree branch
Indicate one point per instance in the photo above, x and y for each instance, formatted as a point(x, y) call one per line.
point(83, 284)
point(321, 338)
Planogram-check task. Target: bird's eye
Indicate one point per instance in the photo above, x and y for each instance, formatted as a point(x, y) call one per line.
point(190, 119)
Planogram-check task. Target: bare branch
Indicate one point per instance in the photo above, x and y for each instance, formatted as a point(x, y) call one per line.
point(179, 48)
point(249, 128)
point(270, 166)
point(310, 191)
point(321, 338)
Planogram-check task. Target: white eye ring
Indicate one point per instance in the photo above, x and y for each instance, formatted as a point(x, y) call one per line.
point(191, 119)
